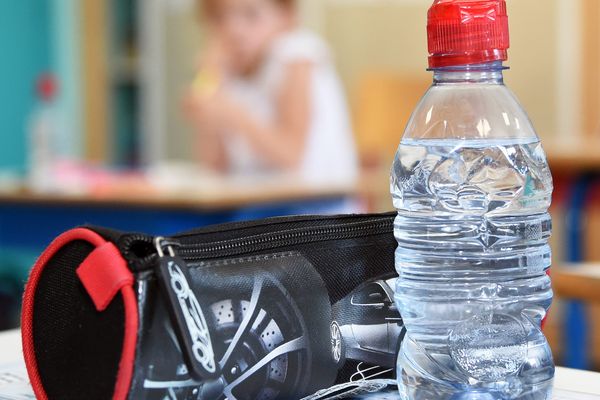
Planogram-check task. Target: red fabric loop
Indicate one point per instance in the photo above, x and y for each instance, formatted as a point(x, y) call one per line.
point(103, 274)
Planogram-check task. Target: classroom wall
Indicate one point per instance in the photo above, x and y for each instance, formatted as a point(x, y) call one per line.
point(25, 44)
point(391, 36)
point(533, 59)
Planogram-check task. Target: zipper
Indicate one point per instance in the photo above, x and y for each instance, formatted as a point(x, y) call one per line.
point(269, 241)
point(139, 249)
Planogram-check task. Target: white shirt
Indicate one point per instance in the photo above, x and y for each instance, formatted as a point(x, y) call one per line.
point(329, 153)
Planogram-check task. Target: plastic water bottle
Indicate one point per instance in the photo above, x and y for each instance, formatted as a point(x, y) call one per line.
point(43, 137)
point(472, 188)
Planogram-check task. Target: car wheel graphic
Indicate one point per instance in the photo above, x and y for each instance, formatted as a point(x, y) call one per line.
point(265, 337)
point(266, 326)
point(337, 344)
point(260, 343)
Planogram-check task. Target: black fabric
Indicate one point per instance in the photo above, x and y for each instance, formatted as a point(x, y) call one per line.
point(77, 348)
point(365, 260)
point(346, 264)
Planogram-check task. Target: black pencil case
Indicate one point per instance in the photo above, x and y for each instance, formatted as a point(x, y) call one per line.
point(273, 309)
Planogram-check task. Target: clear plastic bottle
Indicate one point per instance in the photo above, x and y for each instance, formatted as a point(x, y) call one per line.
point(43, 137)
point(472, 188)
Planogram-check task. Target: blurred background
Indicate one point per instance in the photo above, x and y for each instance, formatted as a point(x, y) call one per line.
point(106, 78)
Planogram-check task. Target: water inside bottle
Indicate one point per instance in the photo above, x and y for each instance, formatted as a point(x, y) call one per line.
point(473, 229)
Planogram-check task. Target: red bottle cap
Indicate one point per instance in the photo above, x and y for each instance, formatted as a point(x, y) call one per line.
point(46, 87)
point(462, 32)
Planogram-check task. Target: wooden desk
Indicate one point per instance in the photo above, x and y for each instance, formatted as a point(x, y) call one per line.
point(29, 220)
point(201, 196)
point(578, 282)
point(583, 382)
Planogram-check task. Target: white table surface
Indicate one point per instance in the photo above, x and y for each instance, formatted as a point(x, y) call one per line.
point(583, 382)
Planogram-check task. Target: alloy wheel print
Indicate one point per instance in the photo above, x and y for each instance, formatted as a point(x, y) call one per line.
point(261, 346)
point(336, 342)
point(267, 357)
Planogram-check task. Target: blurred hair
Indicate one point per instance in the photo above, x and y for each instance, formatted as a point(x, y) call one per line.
point(210, 8)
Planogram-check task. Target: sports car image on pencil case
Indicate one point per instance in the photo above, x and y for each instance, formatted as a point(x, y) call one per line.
point(367, 326)
point(272, 338)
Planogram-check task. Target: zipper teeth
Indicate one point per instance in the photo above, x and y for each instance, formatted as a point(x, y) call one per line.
point(313, 234)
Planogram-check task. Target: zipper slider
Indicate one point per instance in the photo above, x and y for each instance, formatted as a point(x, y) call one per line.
point(186, 314)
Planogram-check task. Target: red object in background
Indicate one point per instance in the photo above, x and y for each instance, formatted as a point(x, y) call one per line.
point(46, 87)
point(462, 32)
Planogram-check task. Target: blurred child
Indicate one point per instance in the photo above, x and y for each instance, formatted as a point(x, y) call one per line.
point(267, 97)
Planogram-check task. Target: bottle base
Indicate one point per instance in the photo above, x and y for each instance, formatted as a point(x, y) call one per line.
point(424, 376)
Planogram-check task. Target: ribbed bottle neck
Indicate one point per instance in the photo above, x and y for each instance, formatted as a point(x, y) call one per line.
point(490, 73)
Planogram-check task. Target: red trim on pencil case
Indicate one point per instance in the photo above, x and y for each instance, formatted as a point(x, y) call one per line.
point(126, 362)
